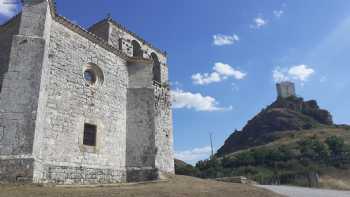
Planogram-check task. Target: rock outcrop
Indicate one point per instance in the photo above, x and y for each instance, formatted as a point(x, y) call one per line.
point(290, 114)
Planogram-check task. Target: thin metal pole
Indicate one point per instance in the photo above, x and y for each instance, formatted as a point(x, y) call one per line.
point(211, 144)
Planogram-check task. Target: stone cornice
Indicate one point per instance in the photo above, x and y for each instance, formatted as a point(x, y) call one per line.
point(140, 60)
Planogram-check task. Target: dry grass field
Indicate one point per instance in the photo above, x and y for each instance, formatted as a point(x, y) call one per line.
point(178, 186)
point(335, 179)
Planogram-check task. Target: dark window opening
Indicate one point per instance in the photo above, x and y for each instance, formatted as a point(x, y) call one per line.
point(120, 42)
point(89, 135)
point(137, 51)
point(156, 68)
point(90, 76)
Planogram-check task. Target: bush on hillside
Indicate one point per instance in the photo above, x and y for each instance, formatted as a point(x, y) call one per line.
point(287, 164)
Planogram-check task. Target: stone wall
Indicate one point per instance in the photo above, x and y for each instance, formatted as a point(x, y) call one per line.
point(164, 130)
point(7, 32)
point(6, 35)
point(71, 102)
point(285, 89)
point(67, 174)
point(121, 39)
point(116, 33)
point(45, 102)
point(16, 170)
point(140, 138)
point(101, 30)
point(20, 93)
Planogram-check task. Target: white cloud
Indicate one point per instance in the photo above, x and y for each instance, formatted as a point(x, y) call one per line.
point(220, 39)
point(278, 13)
point(298, 73)
point(206, 78)
point(279, 75)
point(220, 72)
point(8, 8)
point(227, 71)
point(193, 155)
point(196, 101)
point(258, 22)
point(301, 72)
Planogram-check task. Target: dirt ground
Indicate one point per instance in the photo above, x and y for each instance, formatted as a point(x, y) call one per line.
point(305, 192)
point(336, 179)
point(179, 186)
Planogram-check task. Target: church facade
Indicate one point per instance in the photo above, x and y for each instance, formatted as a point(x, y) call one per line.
point(81, 106)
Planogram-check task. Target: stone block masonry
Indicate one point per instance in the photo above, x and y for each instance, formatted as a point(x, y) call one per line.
point(64, 86)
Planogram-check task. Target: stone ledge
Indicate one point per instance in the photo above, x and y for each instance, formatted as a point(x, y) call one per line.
point(16, 170)
point(110, 185)
point(142, 175)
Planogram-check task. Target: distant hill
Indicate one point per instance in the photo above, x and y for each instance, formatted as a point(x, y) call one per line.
point(287, 114)
point(292, 141)
point(183, 168)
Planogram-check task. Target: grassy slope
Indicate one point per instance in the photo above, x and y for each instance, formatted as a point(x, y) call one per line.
point(331, 178)
point(291, 137)
point(178, 186)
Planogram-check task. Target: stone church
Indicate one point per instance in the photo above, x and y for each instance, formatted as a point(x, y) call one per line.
point(81, 106)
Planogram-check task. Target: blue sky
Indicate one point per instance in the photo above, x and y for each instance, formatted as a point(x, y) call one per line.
point(225, 56)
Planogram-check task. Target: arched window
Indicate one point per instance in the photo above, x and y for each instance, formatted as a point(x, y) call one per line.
point(156, 68)
point(137, 52)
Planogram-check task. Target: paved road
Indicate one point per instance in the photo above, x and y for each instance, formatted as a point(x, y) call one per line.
point(305, 192)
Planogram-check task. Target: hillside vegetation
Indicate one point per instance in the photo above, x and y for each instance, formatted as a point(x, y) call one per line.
point(289, 142)
point(295, 158)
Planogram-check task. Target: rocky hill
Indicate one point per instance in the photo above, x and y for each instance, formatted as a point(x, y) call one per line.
point(285, 114)
point(291, 142)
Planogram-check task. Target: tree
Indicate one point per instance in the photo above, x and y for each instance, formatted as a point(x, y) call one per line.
point(336, 144)
point(314, 149)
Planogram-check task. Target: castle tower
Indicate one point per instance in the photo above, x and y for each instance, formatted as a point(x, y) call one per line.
point(285, 89)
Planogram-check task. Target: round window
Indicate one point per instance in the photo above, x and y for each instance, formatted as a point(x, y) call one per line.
point(93, 75)
point(90, 76)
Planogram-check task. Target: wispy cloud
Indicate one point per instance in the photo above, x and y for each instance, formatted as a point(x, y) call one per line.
point(220, 72)
point(278, 13)
point(8, 8)
point(196, 101)
point(258, 23)
point(298, 73)
point(193, 155)
point(221, 40)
